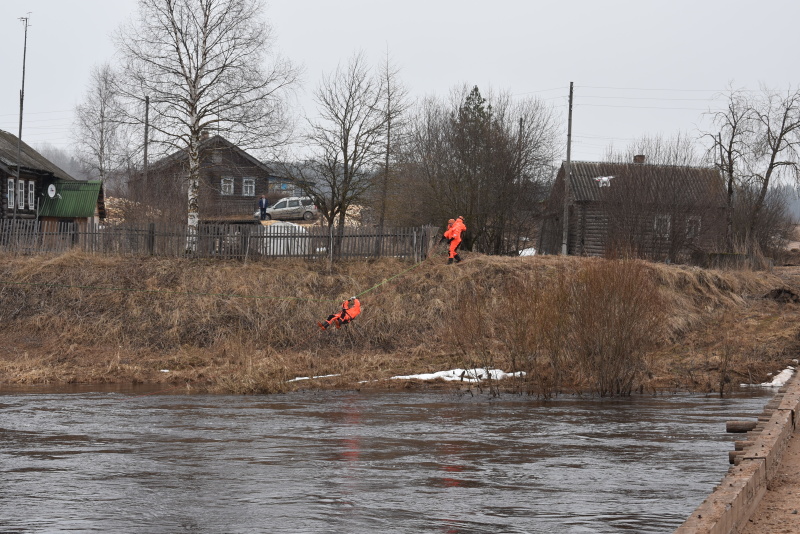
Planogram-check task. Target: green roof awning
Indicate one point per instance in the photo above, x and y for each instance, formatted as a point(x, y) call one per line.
point(73, 200)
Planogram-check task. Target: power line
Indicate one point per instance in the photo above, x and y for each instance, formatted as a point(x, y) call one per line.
point(652, 89)
point(638, 107)
point(37, 112)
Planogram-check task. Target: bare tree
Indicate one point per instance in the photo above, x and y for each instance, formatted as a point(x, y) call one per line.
point(62, 158)
point(758, 142)
point(679, 149)
point(346, 141)
point(99, 120)
point(395, 100)
point(203, 65)
point(485, 159)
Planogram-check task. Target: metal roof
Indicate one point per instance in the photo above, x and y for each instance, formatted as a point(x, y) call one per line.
point(30, 159)
point(74, 200)
point(652, 182)
point(214, 142)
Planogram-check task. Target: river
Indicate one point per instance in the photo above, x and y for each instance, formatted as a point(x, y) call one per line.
point(75, 460)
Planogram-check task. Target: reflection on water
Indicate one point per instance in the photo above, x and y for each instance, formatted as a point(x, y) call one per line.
point(129, 461)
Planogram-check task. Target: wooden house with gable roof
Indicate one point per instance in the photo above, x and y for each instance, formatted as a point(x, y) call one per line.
point(231, 182)
point(658, 212)
point(21, 199)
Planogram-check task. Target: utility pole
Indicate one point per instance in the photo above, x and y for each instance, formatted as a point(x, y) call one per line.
point(146, 140)
point(21, 101)
point(565, 230)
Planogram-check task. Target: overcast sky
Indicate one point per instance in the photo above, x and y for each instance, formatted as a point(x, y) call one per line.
point(640, 67)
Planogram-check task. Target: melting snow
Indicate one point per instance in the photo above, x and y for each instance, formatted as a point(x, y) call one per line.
point(309, 377)
point(466, 375)
point(778, 380)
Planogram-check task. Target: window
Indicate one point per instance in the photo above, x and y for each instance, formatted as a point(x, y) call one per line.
point(10, 193)
point(692, 226)
point(31, 194)
point(280, 205)
point(294, 203)
point(248, 187)
point(21, 195)
point(661, 225)
point(227, 186)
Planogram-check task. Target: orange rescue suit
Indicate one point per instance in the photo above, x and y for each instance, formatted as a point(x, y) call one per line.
point(454, 235)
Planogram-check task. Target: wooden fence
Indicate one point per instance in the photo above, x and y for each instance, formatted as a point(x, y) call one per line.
point(228, 241)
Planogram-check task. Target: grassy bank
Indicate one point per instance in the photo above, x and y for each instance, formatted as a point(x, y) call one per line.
point(572, 324)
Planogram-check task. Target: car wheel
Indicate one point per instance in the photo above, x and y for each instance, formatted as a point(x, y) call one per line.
point(308, 216)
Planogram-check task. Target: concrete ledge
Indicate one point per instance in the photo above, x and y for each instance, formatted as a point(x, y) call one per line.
point(729, 507)
point(769, 446)
point(732, 503)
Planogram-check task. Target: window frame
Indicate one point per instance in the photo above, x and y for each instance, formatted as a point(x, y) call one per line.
point(226, 186)
point(248, 187)
point(662, 225)
point(31, 194)
point(694, 223)
point(21, 195)
point(11, 193)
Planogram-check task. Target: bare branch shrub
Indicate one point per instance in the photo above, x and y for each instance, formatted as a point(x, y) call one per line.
point(616, 316)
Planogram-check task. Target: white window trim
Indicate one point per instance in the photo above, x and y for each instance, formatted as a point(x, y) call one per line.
point(226, 187)
point(698, 227)
point(21, 195)
point(31, 194)
point(248, 187)
point(662, 229)
point(11, 193)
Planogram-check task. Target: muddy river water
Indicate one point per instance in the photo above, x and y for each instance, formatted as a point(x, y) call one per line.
point(349, 462)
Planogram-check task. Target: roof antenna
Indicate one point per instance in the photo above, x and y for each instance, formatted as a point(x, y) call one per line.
point(21, 100)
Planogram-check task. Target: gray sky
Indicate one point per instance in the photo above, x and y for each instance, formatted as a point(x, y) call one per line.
point(640, 67)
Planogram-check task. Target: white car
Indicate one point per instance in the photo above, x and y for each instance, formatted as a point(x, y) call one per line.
point(291, 208)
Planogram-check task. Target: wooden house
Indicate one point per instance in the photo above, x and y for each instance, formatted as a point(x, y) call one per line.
point(21, 199)
point(659, 212)
point(231, 182)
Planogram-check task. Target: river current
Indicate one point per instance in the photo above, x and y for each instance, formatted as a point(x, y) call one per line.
point(350, 462)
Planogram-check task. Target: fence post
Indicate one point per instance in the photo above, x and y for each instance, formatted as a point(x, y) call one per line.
point(151, 238)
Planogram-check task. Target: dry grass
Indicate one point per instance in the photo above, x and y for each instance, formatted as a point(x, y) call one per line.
point(249, 328)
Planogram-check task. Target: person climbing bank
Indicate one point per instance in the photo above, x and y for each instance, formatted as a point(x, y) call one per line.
point(351, 308)
point(449, 225)
point(453, 233)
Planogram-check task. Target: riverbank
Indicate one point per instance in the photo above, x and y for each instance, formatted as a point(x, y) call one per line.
point(215, 326)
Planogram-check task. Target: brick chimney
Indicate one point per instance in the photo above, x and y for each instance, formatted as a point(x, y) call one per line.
point(639, 159)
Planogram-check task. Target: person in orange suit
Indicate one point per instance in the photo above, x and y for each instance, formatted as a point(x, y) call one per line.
point(454, 235)
point(444, 234)
point(351, 308)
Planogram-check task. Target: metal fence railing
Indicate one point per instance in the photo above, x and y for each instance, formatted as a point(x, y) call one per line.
point(227, 241)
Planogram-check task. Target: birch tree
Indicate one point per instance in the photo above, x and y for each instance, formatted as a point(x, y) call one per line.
point(206, 65)
point(99, 119)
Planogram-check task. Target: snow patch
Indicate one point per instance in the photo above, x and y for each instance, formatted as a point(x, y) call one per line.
point(465, 375)
point(298, 378)
point(778, 380)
